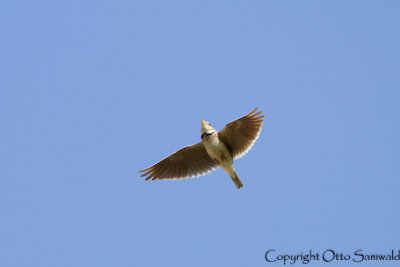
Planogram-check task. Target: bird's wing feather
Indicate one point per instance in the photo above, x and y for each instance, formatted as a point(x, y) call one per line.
point(239, 135)
point(186, 162)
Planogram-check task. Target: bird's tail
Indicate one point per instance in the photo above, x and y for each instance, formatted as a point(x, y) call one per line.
point(235, 179)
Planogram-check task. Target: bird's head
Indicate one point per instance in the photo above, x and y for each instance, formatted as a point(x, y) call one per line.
point(206, 128)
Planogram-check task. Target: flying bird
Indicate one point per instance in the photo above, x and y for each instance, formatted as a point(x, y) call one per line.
point(215, 149)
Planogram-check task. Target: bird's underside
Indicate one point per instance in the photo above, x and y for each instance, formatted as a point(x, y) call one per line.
point(215, 149)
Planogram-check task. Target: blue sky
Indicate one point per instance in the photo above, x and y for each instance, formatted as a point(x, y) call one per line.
point(93, 91)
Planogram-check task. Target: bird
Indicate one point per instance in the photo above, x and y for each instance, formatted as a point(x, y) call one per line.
point(216, 148)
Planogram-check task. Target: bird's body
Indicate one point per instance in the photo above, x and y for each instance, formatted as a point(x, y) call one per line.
point(215, 149)
point(220, 154)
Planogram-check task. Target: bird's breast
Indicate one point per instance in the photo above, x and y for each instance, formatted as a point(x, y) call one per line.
point(217, 149)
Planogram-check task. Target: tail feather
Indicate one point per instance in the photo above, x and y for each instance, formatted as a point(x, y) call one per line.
point(236, 180)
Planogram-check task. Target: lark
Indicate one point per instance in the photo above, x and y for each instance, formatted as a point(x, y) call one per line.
point(215, 149)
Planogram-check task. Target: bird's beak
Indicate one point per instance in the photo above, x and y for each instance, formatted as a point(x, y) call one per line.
point(203, 122)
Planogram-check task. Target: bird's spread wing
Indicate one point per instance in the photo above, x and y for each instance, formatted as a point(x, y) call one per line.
point(186, 162)
point(239, 135)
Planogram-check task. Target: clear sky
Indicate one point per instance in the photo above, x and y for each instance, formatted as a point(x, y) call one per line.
point(93, 91)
